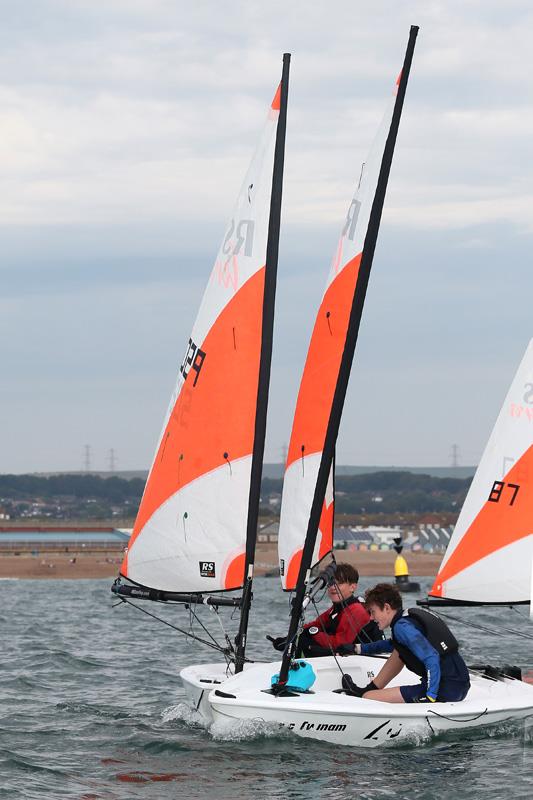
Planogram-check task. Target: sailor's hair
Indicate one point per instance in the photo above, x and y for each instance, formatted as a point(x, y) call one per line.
point(384, 593)
point(345, 573)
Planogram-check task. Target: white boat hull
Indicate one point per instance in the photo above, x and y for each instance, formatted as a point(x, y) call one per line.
point(339, 719)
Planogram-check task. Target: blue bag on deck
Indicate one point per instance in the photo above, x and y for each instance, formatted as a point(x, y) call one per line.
point(301, 676)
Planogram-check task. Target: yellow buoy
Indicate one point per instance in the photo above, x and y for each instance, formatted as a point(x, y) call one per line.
point(400, 567)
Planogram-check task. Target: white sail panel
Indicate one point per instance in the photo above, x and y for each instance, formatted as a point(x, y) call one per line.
point(201, 469)
point(488, 559)
point(207, 537)
point(321, 369)
point(298, 488)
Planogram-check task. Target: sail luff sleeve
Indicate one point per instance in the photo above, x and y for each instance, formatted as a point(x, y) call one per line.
point(269, 296)
point(268, 317)
point(347, 358)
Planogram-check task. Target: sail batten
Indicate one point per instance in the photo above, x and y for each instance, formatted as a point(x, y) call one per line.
point(191, 530)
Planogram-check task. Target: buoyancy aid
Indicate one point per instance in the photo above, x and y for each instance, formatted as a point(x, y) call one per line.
point(342, 620)
point(434, 629)
point(368, 633)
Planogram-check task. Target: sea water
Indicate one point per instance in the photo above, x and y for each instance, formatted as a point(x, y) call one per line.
point(92, 707)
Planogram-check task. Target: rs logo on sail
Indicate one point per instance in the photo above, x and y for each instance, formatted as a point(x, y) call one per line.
point(244, 235)
point(351, 219)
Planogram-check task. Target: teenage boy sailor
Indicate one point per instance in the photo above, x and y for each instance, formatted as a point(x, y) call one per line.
point(345, 622)
point(422, 642)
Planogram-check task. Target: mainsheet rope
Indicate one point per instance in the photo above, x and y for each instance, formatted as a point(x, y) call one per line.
point(213, 646)
point(480, 627)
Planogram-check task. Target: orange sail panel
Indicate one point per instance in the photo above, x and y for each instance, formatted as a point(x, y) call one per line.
point(490, 555)
point(190, 531)
point(317, 387)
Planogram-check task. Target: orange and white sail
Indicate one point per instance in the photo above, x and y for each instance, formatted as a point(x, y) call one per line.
point(490, 554)
point(320, 375)
point(190, 531)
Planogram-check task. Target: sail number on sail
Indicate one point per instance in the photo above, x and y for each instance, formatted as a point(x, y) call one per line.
point(497, 491)
point(194, 359)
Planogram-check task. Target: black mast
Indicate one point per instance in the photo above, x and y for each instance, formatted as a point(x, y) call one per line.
point(271, 270)
point(346, 363)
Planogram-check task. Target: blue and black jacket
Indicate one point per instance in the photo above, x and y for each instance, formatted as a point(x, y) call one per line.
point(426, 646)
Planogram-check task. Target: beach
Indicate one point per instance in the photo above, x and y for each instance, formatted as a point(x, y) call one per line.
point(82, 564)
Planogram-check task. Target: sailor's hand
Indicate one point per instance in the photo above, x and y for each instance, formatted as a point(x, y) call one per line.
point(350, 687)
point(426, 698)
point(278, 642)
point(349, 649)
point(346, 649)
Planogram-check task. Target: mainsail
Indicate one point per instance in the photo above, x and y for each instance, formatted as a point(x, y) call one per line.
point(321, 371)
point(196, 525)
point(490, 554)
point(347, 301)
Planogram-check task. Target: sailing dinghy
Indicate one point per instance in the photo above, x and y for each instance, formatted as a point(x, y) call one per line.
point(488, 562)
point(266, 691)
point(195, 532)
point(307, 460)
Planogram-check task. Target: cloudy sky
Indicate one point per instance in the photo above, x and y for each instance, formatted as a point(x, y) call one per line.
point(125, 129)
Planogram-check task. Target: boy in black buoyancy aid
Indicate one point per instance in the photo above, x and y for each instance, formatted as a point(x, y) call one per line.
point(345, 622)
point(422, 642)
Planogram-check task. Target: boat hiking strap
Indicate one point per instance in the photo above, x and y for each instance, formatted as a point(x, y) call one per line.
point(214, 644)
point(452, 719)
point(480, 627)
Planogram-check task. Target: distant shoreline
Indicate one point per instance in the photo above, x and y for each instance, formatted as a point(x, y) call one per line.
point(78, 564)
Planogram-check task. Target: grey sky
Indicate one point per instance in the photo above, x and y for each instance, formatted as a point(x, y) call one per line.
point(125, 130)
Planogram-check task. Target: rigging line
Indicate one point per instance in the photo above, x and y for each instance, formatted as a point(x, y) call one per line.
point(195, 616)
point(477, 625)
point(524, 615)
point(224, 634)
point(192, 614)
point(350, 621)
point(174, 627)
point(329, 640)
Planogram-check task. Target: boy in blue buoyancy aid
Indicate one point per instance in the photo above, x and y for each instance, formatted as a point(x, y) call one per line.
point(422, 642)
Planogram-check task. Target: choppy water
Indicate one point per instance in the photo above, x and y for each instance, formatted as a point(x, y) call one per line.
point(92, 707)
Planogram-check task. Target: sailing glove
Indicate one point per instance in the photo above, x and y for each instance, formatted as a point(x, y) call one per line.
point(346, 649)
point(349, 649)
point(351, 688)
point(278, 642)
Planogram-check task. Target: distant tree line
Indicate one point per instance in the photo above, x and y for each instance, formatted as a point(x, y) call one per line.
point(82, 487)
point(390, 492)
point(385, 492)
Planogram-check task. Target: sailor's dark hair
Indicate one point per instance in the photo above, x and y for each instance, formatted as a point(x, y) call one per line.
point(345, 573)
point(384, 593)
